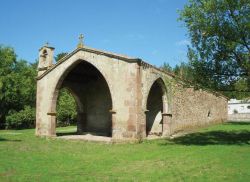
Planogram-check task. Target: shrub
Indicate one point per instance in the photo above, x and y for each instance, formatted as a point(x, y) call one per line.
point(22, 119)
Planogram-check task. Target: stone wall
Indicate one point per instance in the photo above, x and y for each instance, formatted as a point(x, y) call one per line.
point(239, 117)
point(193, 108)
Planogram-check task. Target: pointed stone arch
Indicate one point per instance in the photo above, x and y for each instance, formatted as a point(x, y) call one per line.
point(90, 84)
point(157, 106)
point(56, 81)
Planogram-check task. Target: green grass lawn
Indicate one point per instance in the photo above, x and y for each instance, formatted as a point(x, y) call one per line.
point(217, 153)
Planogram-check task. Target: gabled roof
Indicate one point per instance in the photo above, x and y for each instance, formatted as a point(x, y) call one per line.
point(105, 53)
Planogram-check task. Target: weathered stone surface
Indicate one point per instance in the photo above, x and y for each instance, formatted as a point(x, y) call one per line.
point(121, 97)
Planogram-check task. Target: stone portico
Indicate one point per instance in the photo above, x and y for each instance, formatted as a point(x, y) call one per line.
point(121, 97)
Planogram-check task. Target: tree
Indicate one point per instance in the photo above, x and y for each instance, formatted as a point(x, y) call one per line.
point(18, 93)
point(184, 70)
point(220, 36)
point(7, 62)
point(166, 67)
point(17, 84)
point(60, 56)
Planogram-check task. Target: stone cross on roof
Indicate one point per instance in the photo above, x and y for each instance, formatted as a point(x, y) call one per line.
point(80, 44)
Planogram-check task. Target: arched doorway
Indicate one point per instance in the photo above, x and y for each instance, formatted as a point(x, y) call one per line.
point(156, 106)
point(92, 95)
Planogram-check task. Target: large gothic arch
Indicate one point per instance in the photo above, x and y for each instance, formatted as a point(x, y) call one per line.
point(64, 69)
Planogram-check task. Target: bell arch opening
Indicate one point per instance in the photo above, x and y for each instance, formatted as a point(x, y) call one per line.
point(156, 106)
point(92, 95)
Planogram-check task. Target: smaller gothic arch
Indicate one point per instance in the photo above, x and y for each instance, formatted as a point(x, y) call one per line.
point(156, 105)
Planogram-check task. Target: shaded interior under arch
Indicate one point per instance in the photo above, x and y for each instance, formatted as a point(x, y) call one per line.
point(93, 99)
point(154, 124)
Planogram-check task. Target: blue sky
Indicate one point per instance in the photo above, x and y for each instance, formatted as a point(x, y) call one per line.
point(147, 29)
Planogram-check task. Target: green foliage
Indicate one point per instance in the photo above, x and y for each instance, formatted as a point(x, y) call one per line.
point(22, 119)
point(60, 56)
point(241, 85)
point(166, 67)
point(18, 90)
point(220, 36)
point(184, 70)
point(66, 108)
point(17, 83)
point(7, 62)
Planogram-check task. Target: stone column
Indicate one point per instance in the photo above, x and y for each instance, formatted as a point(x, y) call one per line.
point(141, 133)
point(52, 124)
point(166, 122)
point(115, 130)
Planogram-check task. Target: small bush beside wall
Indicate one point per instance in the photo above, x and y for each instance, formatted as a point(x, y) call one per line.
point(22, 119)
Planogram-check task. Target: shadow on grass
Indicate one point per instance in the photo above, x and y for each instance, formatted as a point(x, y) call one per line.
point(238, 123)
point(66, 133)
point(7, 140)
point(241, 137)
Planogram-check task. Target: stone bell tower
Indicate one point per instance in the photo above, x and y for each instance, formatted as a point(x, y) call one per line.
point(46, 54)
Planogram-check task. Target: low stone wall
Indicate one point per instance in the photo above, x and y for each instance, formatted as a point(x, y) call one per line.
point(196, 108)
point(239, 117)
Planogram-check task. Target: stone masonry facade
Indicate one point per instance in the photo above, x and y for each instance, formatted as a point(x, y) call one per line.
point(121, 97)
